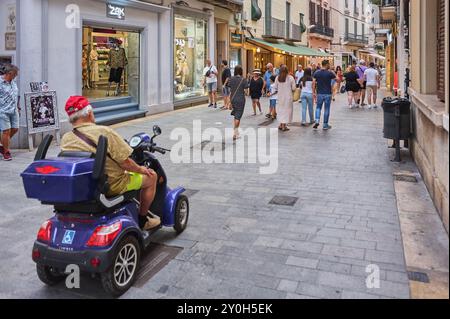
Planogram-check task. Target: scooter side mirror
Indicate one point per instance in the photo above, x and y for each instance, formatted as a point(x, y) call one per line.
point(156, 130)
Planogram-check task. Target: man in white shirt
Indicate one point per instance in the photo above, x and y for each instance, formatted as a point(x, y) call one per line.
point(210, 73)
point(372, 76)
point(299, 74)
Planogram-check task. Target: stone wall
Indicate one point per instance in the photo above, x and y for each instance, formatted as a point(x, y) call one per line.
point(430, 149)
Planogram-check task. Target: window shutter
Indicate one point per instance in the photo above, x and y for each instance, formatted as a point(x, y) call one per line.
point(441, 51)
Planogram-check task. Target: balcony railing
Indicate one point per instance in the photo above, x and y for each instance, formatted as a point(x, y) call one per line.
point(277, 29)
point(358, 39)
point(295, 33)
point(389, 3)
point(322, 30)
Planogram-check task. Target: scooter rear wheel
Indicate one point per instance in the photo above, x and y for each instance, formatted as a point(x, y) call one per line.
point(181, 214)
point(48, 275)
point(121, 275)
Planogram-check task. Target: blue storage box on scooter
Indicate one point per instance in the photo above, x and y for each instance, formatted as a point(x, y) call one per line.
point(60, 180)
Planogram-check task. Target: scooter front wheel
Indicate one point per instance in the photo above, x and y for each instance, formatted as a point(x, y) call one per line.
point(48, 275)
point(181, 214)
point(121, 275)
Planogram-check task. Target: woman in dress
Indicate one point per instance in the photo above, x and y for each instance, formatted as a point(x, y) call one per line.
point(93, 57)
point(256, 90)
point(285, 86)
point(352, 86)
point(237, 84)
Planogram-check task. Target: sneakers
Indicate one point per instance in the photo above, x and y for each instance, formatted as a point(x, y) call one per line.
point(210, 105)
point(149, 222)
point(316, 125)
point(326, 127)
point(7, 155)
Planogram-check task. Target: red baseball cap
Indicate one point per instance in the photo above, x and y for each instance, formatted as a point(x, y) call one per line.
point(76, 103)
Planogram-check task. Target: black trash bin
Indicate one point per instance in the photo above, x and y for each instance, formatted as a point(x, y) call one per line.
point(397, 121)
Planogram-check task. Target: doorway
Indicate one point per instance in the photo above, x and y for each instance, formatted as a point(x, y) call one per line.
point(110, 63)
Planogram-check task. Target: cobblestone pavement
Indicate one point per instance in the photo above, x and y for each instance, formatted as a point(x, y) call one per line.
point(237, 245)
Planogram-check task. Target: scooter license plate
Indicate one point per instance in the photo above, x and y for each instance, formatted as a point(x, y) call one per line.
point(68, 237)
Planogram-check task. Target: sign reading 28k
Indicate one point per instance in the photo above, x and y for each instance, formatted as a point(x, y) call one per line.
point(115, 11)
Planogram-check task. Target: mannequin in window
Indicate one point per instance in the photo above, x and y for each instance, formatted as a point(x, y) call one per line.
point(84, 65)
point(93, 56)
point(117, 60)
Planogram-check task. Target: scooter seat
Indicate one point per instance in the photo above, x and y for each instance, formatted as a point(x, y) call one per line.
point(96, 206)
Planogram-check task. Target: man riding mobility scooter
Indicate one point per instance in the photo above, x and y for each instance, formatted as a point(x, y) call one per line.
point(100, 235)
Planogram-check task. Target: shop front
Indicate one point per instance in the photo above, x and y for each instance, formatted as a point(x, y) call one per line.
point(261, 52)
point(110, 63)
point(236, 49)
point(190, 51)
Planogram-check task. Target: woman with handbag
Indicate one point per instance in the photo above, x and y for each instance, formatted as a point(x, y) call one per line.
point(285, 86)
point(237, 84)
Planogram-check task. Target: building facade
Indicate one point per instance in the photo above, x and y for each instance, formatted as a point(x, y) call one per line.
point(424, 43)
point(277, 32)
point(351, 24)
point(320, 30)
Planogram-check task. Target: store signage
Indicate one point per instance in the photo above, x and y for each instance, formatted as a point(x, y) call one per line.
point(236, 38)
point(180, 42)
point(115, 11)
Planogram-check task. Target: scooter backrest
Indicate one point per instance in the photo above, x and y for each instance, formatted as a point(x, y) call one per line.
point(100, 158)
point(43, 147)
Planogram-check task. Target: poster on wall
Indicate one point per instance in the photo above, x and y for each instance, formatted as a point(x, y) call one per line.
point(10, 41)
point(41, 111)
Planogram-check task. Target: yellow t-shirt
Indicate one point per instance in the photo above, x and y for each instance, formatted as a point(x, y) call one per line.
point(118, 149)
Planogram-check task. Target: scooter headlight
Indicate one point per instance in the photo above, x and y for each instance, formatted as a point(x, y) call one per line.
point(135, 141)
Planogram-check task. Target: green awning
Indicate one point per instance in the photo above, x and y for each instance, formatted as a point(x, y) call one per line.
point(291, 49)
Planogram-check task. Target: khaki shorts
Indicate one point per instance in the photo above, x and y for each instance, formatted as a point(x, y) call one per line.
point(373, 88)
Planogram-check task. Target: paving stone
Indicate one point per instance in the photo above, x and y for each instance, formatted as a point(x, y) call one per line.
point(324, 292)
point(287, 285)
point(302, 262)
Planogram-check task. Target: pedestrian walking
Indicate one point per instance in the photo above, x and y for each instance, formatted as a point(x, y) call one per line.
point(285, 86)
point(339, 79)
point(333, 86)
point(372, 78)
point(299, 74)
point(237, 84)
point(306, 98)
point(9, 108)
point(210, 73)
point(226, 75)
point(360, 69)
point(256, 90)
point(273, 98)
point(352, 87)
point(269, 72)
point(322, 85)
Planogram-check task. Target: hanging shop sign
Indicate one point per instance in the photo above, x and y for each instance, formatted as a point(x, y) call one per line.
point(115, 11)
point(236, 38)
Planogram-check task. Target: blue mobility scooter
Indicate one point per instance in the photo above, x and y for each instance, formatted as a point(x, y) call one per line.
point(99, 234)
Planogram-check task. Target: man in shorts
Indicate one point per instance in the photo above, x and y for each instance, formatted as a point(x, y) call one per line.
point(360, 69)
point(372, 78)
point(9, 108)
point(226, 75)
point(210, 73)
point(123, 173)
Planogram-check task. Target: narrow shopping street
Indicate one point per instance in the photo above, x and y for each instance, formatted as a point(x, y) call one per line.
point(238, 244)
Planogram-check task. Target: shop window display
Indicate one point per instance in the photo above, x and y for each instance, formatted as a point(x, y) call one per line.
point(189, 56)
point(110, 63)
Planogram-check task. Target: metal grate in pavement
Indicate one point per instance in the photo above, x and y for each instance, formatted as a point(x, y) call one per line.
point(266, 123)
point(405, 178)
point(418, 276)
point(283, 200)
point(211, 146)
point(155, 258)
